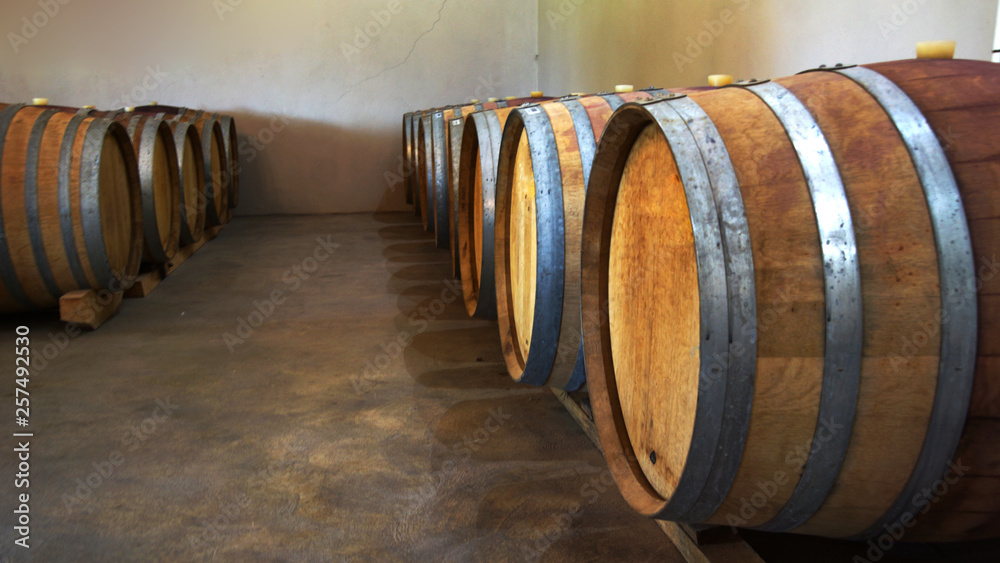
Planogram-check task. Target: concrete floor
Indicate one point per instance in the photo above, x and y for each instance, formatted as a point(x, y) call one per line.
point(365, 418)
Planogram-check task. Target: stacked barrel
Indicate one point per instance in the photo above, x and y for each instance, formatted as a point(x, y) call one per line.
point(90, 196)
point(431, 149)
point(781, 296)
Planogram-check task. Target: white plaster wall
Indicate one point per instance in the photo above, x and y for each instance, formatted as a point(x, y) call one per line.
point(996, 40)
point(322, 125)
point(587, 45)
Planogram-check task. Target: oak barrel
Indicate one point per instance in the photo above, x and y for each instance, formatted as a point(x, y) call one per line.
point(215, 156)
point(476, 195)
point(790, 303)
point(476, 177)
point(70, 207)
point(413, 165)
point(413, 168)
point(454, 124)
point(542, 170)
point(191, 189)
point(441, 167)
point(455, 129)
point(433, 169)
point(439, 163)
point(230, 138)
point(159, 181)
point(425, 172)
point(408, 156)
point(216, 176)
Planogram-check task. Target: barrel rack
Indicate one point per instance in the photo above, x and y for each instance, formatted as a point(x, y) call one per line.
point(89, 309)
point(716, 544)
point(703, 544)
point(148, 280)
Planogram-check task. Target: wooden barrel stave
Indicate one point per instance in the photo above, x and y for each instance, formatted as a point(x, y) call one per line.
point(898, 288)
point(70, 206)
point(959, 101)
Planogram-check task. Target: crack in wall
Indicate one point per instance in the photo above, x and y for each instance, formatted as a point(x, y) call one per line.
point(401, 63)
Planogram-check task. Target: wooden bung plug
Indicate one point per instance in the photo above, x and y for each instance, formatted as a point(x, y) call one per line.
point(719, 80)
point(39, 101)
point(624, 88)
point(936, 50)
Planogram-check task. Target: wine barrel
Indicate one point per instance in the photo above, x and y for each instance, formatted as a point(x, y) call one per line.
point(414, 163)
point(787, 307)
point(425, 172)
point(438, 177)
point(216, 176)
point(476, 195)
point(408, 156)
point(476, 179)
point(437, 163)
point(542, 171)
point(230, 138)
point(455, 123)
point(191, 188)
point(411, 122)
point(70, 207)
point(432, 171)
point(424, 168)
point(159, 182)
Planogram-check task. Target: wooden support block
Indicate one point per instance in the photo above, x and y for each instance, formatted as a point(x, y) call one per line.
point(683, 542)
point(185, 252)
point(710, 535)
point(145, 283)
point(698, 544)
point(89, 308)
point(720, 543)
point(738, 551)
point(585, 422)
